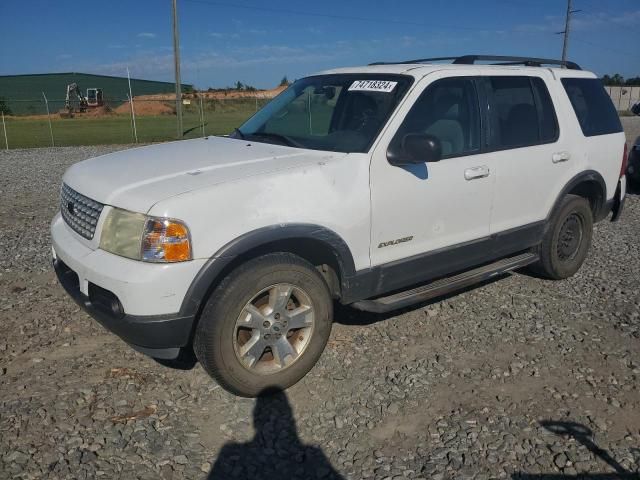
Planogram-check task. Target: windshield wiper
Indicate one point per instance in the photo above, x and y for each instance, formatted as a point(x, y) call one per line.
point(276, 136)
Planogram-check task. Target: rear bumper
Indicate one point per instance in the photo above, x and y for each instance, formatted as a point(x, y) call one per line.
point(159, 336)
point(615, 206)
point(618, 199)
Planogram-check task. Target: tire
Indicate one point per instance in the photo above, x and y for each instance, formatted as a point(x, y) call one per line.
point(252, 296)
point(567, 240)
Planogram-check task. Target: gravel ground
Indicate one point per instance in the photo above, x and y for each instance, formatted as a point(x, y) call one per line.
point(519, 378)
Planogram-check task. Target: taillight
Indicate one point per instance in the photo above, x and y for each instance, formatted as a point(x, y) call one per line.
point(625, 161)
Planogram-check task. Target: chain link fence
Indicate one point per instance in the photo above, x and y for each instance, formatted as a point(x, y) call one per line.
point(44, 122)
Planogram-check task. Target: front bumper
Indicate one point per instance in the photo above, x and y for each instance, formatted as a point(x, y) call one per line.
point(159, 336)
point(139, 302)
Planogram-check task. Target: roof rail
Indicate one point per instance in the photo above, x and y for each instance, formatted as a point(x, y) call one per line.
point(501, 60)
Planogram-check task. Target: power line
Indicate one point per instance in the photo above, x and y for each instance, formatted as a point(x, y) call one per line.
point(436, 26)
point(397, 22)
point(602, 47)
point(591, 5)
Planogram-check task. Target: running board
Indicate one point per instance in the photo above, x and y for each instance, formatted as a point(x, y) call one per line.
point(445, 285)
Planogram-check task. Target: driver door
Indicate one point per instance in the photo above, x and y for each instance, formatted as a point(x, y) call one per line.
point(432, 218)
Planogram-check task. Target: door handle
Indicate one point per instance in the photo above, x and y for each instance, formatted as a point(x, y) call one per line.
point(476, 172)
point(559, 157)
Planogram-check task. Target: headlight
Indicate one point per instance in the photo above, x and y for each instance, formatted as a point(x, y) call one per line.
point(122, 233)
point(150, 239)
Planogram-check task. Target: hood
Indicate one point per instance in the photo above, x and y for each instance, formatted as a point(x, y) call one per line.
point(138, 178)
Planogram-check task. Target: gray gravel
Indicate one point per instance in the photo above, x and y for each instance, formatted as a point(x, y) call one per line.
point(520, 376)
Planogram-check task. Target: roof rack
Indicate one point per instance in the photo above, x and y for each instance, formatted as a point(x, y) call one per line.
point(499, 59)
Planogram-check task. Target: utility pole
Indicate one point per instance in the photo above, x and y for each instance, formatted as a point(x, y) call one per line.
point(567, 28)
point(176, 60)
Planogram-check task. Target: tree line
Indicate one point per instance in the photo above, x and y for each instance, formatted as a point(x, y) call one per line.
point(239, 86)
point(617, 80)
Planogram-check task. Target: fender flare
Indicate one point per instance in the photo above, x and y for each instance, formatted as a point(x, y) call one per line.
point(586, 176)
point(212, 269)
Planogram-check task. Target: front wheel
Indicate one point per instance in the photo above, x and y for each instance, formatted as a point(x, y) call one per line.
point(567, 240)
point(265, 325)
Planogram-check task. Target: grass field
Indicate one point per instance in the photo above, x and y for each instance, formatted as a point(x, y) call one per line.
point(117, 129)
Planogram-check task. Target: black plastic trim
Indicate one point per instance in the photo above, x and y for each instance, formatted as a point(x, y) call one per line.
point(378, 280)
point(527, 61)
point(446, 285)
point(617, 205)
point(209, 273)
point(161, 334)
point(504, 60)
point(605, 210)
point(586, 176)
point(170, 353)
point(440, 263)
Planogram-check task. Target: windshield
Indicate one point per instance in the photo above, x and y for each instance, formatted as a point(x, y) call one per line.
point(340, 113)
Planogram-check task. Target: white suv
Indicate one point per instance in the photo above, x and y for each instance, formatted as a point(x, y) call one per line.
point(378, 186)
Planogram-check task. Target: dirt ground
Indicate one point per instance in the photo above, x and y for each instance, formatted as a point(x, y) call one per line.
point(218, 95)
point(145, 107)
point(519, 378)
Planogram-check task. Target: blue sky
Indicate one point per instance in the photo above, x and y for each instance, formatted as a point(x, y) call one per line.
point(259, 42)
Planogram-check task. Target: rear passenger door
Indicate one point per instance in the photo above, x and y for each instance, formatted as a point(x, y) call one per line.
point(530, 153)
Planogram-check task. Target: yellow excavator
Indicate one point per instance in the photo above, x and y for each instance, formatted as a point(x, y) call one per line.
point(94, 98)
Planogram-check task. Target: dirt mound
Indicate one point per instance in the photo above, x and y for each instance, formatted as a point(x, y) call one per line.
point(215, 95)
point(146, 107)
point(220, 95)
point(97, 111)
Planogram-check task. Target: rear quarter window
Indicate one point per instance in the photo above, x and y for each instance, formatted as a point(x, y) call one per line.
point(593, 107)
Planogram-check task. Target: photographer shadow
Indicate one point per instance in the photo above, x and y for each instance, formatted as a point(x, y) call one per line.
point(275, 451)
point(584, 436)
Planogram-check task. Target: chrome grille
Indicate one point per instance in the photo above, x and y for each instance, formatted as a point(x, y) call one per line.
point(80, 213)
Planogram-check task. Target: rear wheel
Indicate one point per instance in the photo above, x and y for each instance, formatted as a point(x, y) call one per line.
point(566, 243)
point(265, 325)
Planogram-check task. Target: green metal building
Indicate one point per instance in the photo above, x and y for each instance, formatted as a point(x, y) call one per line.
point(23, 93)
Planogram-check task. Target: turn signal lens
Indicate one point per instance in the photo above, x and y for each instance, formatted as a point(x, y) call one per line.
point(165, 240)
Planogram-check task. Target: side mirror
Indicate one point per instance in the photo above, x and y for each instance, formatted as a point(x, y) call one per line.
point(415, 148)
point(636, 109)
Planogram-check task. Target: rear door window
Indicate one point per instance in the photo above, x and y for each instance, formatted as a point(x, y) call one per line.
point(593, 107)
point(522, 113)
